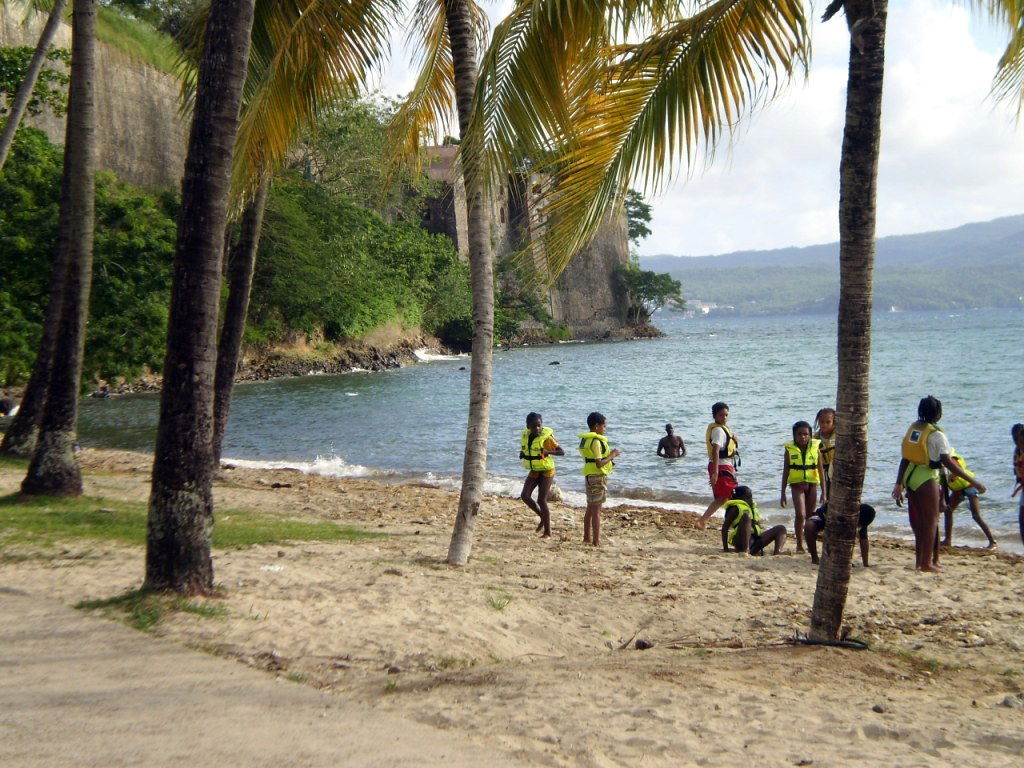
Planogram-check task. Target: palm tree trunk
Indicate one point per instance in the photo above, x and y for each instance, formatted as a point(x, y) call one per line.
point(28, 83)
point(181, 499)
point(21, 436)
point(54, 469)
point(858, 176)
point(474, 463)
point(241, 264)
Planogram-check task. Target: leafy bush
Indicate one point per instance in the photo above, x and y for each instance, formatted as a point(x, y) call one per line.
point(328, 266)
point(50, 91)
point(131, 273)
point(646, 292)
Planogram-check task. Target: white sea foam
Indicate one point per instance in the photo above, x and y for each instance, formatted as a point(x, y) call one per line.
point(328, 466)
point(425, 355)
point(352, 394)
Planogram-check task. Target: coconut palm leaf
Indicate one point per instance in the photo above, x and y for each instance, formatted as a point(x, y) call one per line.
point(1009, 80)
point(660, 104)
point(305, 54)
point(427, 114)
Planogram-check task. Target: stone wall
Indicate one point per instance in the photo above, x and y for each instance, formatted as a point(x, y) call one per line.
point(141, 136)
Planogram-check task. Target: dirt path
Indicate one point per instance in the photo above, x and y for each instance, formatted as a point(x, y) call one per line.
point(81, 691)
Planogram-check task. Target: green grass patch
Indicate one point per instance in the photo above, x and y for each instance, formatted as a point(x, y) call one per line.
point(11, 462)
point(137, 39)
point(499, 600)
point(46, 520)
point(144, 610)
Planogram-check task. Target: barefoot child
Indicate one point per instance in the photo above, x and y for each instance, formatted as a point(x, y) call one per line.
point(743, 529)
point(960, 488)
point(537, 446)
point(1017, 433)
point(802, 471)
point(825, 430)
point(816, 524)
point(598, 462)
point(924, 451)
point(722, 458)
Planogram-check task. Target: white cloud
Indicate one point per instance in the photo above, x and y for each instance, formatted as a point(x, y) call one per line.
point(949, 154)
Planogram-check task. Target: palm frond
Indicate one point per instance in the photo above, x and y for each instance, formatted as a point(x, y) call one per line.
point(660, 104)
point(428, 112)
point(305, 55)
point(1008, 84)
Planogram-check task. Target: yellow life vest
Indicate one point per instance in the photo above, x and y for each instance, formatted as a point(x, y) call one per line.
point(590, 456)
point(725, 452)
point(803, 464)
point(915, 444)
point(535, 458)
point(742, 510)
point(953, 482)
point(828, 447)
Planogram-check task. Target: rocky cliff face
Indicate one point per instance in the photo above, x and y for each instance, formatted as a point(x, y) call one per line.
point(584, 295)
point(141, 136)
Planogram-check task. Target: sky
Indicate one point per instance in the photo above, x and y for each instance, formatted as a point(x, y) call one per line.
point(950, 153)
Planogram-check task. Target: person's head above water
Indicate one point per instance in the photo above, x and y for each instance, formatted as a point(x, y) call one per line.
point(668, 428)
point(1017, 432)
point(929, 409)
point(534, 421)
point(595, 419)
point(743, 493)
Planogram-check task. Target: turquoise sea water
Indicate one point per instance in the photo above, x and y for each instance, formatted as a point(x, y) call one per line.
point(410, 423)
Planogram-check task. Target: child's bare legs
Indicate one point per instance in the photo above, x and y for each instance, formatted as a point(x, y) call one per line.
point(742, 541)
point(804, 497)
point(1020, 519)
point(811, 534)
point(543, 487)
point(954, 502)
point(926, 500)
point(713, 507)
point(592, 525)
point(862, 539)
point(776, 534)
point(976, 514)
point(527, 498)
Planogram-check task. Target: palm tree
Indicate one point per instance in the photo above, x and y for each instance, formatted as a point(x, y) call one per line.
point(304, 57)
point(858, 180)
point(20, 437)
point(181, 499)
point(559, 92)
point(54, 469)
point(28, 83)
point(858, 176)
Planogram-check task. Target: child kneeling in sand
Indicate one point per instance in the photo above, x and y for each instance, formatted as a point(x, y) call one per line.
point(743, 529)
point(597, 465)
point(816, 524)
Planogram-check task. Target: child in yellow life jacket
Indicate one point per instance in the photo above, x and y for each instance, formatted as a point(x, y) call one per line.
point(825, 430)
point(802, 471)
point(598, 462)
point(925, 451)
point(743, 529)
point(959, 489)
point(536, 447)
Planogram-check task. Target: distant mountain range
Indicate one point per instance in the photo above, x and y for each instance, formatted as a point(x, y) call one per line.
point(975, 265)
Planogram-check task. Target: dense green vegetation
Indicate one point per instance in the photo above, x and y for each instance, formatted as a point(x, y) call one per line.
point(328, 267)
point(133, 250)
point(50, 91)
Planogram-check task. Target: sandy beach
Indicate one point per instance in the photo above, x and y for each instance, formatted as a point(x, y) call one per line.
point(531, 650)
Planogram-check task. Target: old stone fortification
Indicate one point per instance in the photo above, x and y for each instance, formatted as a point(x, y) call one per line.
point(141, 136)
point(584, 296)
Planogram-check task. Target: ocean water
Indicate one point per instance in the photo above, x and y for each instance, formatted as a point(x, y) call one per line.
point(410, 423)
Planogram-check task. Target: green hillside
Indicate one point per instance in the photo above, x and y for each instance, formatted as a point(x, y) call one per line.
point(976, 265)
